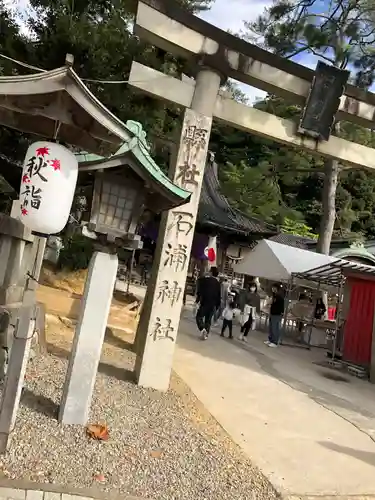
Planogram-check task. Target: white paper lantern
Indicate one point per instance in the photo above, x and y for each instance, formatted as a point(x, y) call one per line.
point(49, 179)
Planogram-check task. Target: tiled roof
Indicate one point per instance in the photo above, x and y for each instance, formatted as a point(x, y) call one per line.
point(168, 194)
point(214, 208)
point(293, 241)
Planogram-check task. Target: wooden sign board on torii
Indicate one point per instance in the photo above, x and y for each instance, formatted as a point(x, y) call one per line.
point(217, 55)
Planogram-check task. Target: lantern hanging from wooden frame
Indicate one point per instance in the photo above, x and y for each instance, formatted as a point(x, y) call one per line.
point(48, 183)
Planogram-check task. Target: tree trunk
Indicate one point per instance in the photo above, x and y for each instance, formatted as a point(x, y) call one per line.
point(331, 175)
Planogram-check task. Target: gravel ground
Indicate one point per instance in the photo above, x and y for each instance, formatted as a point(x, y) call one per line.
point(160, 446)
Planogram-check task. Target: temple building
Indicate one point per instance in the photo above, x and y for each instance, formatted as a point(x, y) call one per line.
point(236, 234)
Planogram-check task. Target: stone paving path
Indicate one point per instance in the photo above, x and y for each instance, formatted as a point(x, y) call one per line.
point(303, 447)
point(9, 493)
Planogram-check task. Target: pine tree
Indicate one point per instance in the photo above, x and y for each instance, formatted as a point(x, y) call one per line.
point(342, 34)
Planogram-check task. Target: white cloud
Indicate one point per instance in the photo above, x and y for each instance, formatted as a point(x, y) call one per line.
point(230, 15)
point(17, 6)
point(20, 10)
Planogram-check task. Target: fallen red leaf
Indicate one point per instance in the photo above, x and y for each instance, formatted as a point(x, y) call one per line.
point(97, 431)
point(100, 478)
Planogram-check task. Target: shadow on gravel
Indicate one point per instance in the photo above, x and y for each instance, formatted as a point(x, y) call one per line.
point(107, 369)
point(39, 403)
point(116, 341)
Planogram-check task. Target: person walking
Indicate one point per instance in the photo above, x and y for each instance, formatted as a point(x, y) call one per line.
point(320, 309)
point(303, 311)
point(276, 314)
point(251, 306)
point(146, 267)
point(209, 298)
point(228, 315)
point(224, 290)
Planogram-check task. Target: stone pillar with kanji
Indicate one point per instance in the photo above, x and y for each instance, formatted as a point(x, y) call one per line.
point(159, 322)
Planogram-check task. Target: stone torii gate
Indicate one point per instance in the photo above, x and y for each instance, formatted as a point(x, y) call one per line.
point(216, 56)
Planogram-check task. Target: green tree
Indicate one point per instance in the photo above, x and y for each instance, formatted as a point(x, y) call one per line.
point(235, 91)
point(252, 190)
point(298, 229)
point(99, 34)
point(250, 165)
point(292, 176)
point(343, 35)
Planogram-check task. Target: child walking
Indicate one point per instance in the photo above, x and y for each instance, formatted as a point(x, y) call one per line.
point(228, 315)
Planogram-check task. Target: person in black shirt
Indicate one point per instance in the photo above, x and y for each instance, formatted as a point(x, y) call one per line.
point(251, 304)
point(276, 314)
point(209, 298)
point(320, 309)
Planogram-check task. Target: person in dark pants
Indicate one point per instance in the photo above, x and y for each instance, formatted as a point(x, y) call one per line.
point(320, 309)
point(252, 306)
point(228, 315)
point(208, 297)
point(276, 314)
point(146, 267)
point(303, 310)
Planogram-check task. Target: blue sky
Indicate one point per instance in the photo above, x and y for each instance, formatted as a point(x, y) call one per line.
point(230, 14)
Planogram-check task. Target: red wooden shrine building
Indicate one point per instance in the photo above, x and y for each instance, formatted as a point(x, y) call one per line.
point(356, 316)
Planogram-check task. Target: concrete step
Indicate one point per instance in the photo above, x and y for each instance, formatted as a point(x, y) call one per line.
point(357, 372)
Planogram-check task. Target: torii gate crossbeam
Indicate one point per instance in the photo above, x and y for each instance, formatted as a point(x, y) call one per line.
point(249, 119)
point(168, 26)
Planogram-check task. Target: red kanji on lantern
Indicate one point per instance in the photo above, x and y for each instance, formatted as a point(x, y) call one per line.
point(23, 211)
point(42, 151)
point(56, 165)
point(25, 178)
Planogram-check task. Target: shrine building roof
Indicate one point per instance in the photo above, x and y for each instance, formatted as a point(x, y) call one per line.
point(135, 154)
point(293, 240)
point(215, 209)
point(57, 105)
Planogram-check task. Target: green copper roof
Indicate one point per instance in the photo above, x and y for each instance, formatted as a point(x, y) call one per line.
point(137, 145)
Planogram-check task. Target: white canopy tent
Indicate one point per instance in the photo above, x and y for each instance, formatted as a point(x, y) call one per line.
point(277, 262)
point(296, 267)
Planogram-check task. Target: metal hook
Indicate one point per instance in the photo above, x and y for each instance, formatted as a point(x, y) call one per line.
point(57, 130)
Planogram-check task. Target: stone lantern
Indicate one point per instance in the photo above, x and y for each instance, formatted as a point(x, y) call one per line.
point(117, 189)
point(120, 188)
point(117, 203)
